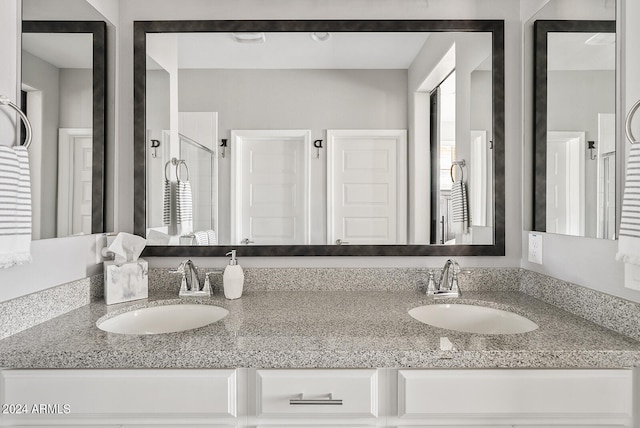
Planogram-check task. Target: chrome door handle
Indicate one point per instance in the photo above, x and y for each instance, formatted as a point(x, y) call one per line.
point(246, 241)
point(340, 242)
point(329, 401)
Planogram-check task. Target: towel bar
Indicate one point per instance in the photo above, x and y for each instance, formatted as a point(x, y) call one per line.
point(627, 123)
point(5, 101)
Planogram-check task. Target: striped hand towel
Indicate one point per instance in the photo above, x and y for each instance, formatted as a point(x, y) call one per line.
point(459, 207)
point(213, 239)
point(201, 237)
point(184, 202)
point(166, 212)
point(629, 242)
point(15, 206)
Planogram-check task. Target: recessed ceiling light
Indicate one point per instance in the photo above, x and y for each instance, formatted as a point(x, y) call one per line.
point(321, 36)
point(249, 37)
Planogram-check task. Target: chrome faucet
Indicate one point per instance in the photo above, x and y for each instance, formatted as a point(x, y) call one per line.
point(190, 285)
point(448, 284)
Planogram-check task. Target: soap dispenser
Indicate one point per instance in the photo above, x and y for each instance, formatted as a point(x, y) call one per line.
point(233, 278)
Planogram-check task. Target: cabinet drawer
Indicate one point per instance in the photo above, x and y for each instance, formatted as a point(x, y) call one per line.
point(352, 393)
point(125, 392)
point(500, 393)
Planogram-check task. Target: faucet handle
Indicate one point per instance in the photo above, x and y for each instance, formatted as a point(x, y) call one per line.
point(455, 288)
point(431, 284)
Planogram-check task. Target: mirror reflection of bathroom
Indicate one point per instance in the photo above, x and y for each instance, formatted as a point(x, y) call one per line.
point(581, 140)
point(57, 94)
point(573, 61)
point(287, 139)
point(461, 157)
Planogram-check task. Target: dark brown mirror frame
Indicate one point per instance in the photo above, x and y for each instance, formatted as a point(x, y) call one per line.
point(541, 29)
point(495, 27)
point(98, 30)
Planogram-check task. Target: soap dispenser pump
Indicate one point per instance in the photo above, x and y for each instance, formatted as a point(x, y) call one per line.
point(233, 278)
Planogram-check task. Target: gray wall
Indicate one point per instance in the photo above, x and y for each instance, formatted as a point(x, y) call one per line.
point(66, 96)
point(158, 120)
point(297, 99)
point(45, 78)
point(294, 99)
point(76, 98)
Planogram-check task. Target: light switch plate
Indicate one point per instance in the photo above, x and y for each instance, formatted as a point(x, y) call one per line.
point(535, 248)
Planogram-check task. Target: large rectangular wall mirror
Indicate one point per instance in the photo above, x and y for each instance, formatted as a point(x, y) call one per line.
point(315, 137)
point(63, 84)
point(575, 124)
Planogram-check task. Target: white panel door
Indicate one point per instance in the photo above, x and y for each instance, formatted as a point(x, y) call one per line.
point(565, 183)
point(367, 187)
point(75, 160)
point(270, 187)
point(82, 190)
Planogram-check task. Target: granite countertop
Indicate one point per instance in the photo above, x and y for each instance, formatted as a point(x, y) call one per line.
point(322, 329)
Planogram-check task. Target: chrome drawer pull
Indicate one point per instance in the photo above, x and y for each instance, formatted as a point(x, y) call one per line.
point(329, 401)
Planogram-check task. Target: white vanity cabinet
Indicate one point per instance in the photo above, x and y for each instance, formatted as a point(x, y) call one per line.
point(321, 398)
point(119, 397)
point(513, 398)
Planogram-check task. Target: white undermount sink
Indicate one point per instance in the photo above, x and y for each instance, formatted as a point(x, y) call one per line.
point(472, 319)
point(163, 319)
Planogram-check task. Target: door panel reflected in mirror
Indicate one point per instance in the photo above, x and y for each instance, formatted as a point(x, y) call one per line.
point(63, 82)
point(575, 125)
point(327, 142)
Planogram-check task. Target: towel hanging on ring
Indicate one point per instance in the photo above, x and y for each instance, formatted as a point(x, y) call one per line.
point(15, 198)
point(15, 206)
point(184, 198)
point(459, 201)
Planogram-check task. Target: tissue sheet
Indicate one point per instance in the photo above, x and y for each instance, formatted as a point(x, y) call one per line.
point(127, 248)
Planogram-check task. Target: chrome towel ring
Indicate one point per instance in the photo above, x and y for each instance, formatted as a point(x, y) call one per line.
point(460, 164)
point(627, 123)
point(182, 162)
point(5, 101)
point(176, 162)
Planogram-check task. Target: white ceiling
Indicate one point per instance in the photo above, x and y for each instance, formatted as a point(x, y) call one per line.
point(568, 51)
point(299, 50)
point(63, 50)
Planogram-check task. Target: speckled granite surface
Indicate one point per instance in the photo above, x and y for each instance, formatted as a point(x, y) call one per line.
point(346, 279)
point(609, 311)
point(304, 329)
point(26, 311)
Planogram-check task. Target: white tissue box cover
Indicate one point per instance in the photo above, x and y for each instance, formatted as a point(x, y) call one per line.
point(127, 282)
